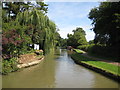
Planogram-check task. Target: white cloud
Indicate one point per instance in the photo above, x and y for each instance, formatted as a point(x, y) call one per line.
point(64, 31)
point(68, 16)
point(89, 34)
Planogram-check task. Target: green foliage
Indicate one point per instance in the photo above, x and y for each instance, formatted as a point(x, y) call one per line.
point(58, 39)
point(43, 31)
point(91, 42)
point(63, 43)
point(101, 50)
point(24, 28)
point(106, 21)
point(31, 27)
point(43, 6)
point(99, 64)
point(60, 42)
point(105, 51)
point(9, 65)
point(85, 47)
point(78, 38)
point(39, 52)
point(14, 40)
point(79, 51)
point(17, 7)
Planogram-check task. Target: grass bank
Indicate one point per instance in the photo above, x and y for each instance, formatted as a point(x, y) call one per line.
point(102, 51)
point(24, 60)
point(95, 64)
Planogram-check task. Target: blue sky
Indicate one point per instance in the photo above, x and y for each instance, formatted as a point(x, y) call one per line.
point(69, 15)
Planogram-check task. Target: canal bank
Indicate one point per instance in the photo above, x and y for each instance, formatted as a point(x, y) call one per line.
point(104, 68)
point(57, 70)
point(29, 60)
point(22, 61)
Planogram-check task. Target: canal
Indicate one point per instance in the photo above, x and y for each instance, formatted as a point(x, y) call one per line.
point(58, 70)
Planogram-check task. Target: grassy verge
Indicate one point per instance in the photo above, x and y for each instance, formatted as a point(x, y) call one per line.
point(79, 51)
point(98, 64)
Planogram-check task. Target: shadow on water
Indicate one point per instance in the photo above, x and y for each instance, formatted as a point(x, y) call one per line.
point(58, 70)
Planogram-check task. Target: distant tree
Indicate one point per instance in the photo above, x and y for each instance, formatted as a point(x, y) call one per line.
point(63, 43)
point(57, 39)
point(78, 38)
point(91, 42)
point(70, 40)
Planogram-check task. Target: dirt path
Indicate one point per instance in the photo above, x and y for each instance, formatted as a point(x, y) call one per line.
point(110, 62)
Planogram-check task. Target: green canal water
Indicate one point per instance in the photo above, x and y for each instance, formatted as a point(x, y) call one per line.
point(58, 70)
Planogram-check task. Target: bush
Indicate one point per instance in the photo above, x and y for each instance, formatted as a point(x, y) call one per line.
point(39, 52)
point(79, 51)
point(101, 50)
point(85, 47)
point(104, 51)
point(9, 65)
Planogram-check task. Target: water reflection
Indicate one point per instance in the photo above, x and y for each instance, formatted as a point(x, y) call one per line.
point(58, 70)
point(39, 76)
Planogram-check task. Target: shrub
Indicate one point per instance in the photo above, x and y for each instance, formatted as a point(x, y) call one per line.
point(104, 51)
point(9, 65)
point(79, 51)
point(101, 50)
point(39, 52)
point(85, 47)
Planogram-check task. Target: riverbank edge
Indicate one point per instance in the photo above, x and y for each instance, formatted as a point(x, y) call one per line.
point(98, 70)
point(25, 65)
point(22, 61)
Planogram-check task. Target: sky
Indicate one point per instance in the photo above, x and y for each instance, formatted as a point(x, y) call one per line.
point(70, 15)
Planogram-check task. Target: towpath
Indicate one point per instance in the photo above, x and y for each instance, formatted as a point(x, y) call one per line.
point(95, 58)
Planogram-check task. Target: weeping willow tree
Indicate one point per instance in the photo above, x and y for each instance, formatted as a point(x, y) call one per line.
point(28, 27)
point(41, 29)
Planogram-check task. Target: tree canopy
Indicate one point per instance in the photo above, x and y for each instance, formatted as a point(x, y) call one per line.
point(13, 8)
point(28, 27)
point(106, 21)
point(77, 38)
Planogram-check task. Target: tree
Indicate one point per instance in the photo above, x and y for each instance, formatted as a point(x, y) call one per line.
point(91, 42)
point(58, 39)
point(106, 21)
point(33, 27)
point(42, 30)
point(78, 38)
point(63, 43)
point(13, 8)
point(42, 6)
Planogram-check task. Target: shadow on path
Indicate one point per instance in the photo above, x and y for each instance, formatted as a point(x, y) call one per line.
point(99, 59)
